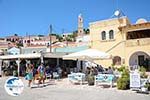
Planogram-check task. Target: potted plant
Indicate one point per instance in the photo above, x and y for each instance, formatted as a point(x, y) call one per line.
point(15, 73)
point(124, 81)
point(90, 80)
point(146, 87)
point(143, 72)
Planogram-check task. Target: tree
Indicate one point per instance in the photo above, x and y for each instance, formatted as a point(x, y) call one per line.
point(87, 31)
point(15, 34)
point(59, 37)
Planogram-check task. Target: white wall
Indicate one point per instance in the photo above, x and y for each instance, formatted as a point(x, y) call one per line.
point(85, 38)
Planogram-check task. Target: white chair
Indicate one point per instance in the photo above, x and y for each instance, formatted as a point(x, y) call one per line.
point(107, 79)
point(76, 78)
point(55, 75)
point(49, 76)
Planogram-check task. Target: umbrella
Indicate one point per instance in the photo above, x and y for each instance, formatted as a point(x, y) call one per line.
point(89, 54)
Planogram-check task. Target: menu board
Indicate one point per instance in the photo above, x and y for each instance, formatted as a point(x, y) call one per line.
point(135, 80)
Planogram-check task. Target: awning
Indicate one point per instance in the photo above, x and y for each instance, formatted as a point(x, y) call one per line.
point(89, 54)
point(54, 55)
point(34, 55)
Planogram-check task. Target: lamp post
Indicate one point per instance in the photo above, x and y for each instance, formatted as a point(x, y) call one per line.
point(18, 63)
point(0, 67)
point(50, 38)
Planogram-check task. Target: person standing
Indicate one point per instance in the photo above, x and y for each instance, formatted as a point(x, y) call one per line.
point(29, 76)
point(59, 71)
point(34, 73)
point(41, 72)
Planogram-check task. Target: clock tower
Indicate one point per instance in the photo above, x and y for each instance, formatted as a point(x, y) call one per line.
point(80, 26)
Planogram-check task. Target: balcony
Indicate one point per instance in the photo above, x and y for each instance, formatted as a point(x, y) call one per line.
point(137, 42)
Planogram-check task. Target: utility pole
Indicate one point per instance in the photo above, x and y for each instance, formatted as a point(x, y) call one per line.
point(50, 38)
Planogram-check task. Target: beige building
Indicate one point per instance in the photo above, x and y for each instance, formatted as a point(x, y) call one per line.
point(38, 40)
point(129, 44)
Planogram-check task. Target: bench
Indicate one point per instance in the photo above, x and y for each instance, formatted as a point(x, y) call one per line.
point(76, 78)
point(104, 79)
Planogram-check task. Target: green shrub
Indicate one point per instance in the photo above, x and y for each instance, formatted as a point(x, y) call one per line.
point(143, 72)
point(142, 69)
point(123, 83)
point(121, 68)
point(125, 73)
point(147, 85)
point(124, 80)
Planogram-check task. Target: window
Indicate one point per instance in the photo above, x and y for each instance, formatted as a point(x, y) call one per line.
point(103, 35)
point(111, 34)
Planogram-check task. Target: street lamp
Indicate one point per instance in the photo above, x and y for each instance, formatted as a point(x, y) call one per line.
point(50, 38)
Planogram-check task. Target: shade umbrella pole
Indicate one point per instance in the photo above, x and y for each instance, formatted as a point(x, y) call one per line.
point(18, 63)
point(0, 67)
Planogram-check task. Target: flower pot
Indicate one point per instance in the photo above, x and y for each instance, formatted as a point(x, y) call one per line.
point(90, 83)
point(144, 89)
point(90, 80)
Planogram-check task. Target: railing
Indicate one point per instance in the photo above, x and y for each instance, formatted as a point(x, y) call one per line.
point(115, 46)
point(137, 42)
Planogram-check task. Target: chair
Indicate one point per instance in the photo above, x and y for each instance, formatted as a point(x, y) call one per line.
point(104, 79)
point(76, 78)
point(48, 76)
point(55, 75)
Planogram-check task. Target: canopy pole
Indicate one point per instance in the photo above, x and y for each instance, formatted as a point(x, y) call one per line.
point(18, 63)
point(78, 65)
point(42, 57)
point(0, 68)
point(57, 61)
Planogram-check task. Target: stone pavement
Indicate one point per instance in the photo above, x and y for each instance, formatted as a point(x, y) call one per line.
point(63, 90)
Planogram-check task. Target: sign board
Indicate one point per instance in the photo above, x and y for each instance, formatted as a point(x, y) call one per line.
point(135, 79)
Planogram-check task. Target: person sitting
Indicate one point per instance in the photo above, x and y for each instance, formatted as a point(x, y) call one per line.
point(48, 72)
point(110, 70)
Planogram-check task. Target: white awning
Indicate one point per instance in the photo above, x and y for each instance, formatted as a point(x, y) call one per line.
point(54, 55)
point(89, 54)
point(33, 55)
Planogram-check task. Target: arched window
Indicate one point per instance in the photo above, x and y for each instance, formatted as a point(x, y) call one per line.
point(103, 35)
point(111, 34)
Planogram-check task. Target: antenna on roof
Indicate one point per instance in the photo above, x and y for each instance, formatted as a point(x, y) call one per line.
point(118, 13)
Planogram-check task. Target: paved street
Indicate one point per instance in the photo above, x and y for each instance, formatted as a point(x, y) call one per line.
point(62, 90)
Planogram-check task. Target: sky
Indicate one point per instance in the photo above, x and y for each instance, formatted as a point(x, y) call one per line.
point(31, 17)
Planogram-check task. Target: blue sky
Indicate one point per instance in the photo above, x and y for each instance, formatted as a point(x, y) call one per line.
point(35, 16)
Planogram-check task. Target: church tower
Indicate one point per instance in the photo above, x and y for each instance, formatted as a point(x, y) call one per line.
point(80, 26)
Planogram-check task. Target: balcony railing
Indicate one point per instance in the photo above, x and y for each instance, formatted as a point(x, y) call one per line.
point(138, 42)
